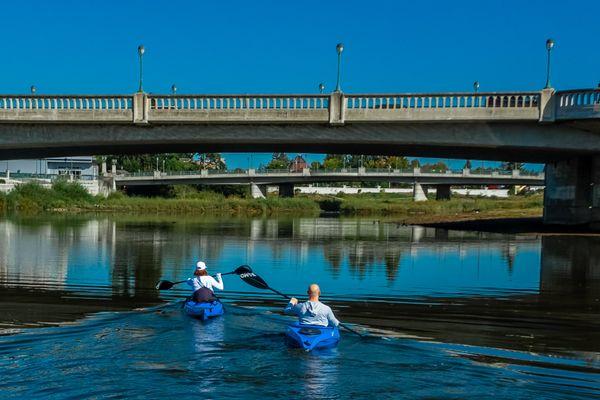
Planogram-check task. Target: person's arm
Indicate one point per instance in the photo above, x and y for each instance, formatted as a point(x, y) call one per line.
point(332, 319)
point(292, 307)
point(218, 283)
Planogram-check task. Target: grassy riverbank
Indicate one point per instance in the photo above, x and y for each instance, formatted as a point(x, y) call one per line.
point(68, 197)
point(456, 209)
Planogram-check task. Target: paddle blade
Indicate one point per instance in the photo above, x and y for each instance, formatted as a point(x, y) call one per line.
point(254, 280)
point(164, 285)
point(243, 269)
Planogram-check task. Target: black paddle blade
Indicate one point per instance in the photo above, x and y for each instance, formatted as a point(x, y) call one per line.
point(243, 269)
point(164, 285)
point(254, 280)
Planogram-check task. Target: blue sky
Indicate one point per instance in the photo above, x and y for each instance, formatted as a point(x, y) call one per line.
point(284, 47)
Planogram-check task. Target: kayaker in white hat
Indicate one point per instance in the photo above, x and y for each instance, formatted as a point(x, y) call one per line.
point(203, 284)
point(313, 312)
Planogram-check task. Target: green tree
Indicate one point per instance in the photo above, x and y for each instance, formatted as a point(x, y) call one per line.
point(279, 161)
point(439, 166)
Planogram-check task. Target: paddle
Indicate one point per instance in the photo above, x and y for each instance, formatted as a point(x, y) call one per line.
point(166, 285)
point(252, 279)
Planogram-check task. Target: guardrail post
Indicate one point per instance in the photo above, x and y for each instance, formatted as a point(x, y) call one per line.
point(337, 108)
point(361, 171)
point(466, 171)
point(305, 171)
point(251, 171)
point(547, 105)
point(416, 171)
point(516, 173)
point(113, 167)
point(141, 104)
point(203, 172)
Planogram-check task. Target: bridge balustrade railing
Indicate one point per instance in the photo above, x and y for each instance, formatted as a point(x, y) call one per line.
point(238, 102)
point(66, 102)
point(442, 100)
point(582, 103)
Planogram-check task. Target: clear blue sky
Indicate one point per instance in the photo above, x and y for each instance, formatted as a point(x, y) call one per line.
point(281, 46)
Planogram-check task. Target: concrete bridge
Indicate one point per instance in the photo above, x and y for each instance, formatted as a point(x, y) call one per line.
point(285, 179)
point(560, 128)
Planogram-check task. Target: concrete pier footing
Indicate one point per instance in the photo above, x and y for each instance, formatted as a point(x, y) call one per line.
point(286, 190)
point(258, 191)
point(442, 192)
point(419, 194)
point(572, 195)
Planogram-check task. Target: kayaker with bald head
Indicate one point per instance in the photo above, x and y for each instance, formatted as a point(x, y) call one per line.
point(312, 312)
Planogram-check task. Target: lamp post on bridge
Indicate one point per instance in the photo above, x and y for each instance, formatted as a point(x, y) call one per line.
point(173, 89)
point(321, 87)
point(33, 89)
point(141, 51)
point(549, 46)
point(476, 86)
point(339, 48)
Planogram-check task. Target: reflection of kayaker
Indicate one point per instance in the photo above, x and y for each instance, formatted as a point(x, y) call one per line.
point(203, 284)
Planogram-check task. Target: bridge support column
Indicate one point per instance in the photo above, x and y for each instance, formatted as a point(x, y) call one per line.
point(572, 194)
point(419, 193)
point(286, 190)
point(442, 192)
point(258, 191)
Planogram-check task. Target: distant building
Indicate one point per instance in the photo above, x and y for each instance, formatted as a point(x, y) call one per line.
point(298, 164)
point(73, 166)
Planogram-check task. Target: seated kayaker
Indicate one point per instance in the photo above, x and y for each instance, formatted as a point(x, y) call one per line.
point(203, 284)
point(313, 312)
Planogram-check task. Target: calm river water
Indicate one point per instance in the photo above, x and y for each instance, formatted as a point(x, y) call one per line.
point(450, 314)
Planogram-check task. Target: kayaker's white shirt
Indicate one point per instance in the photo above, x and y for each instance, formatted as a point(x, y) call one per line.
point(312, 313)
point(206, 281)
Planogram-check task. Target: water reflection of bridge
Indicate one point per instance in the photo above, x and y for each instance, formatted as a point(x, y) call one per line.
point(129, 256)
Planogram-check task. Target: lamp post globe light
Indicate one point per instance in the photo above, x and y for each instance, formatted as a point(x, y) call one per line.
point(476, 86)
point(141, 51)
point(173, 89)
point(33, 89)
point(339, 48)
point(321, 87)
point(549, 46)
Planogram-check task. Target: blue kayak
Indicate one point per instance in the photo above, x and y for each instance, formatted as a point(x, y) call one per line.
point(203, 311)
point(310, 337)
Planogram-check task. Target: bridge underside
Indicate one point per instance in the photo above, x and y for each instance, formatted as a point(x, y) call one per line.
point(506, 141)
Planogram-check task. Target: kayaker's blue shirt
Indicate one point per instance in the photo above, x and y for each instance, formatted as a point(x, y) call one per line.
point(312, 313)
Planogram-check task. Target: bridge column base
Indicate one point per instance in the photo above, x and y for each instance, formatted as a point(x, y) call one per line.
point(286, 190)
point(419, 194)
point(442, 192)
point(258, 191)
point(572, 194)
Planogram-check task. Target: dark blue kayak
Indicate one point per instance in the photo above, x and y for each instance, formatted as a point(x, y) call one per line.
point(203, 311)
point(310, 337)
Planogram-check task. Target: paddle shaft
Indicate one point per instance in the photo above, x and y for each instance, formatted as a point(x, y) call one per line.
point(341, 324)
point(177, 283)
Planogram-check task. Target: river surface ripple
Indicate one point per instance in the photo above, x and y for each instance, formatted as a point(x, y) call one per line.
point(450, 314)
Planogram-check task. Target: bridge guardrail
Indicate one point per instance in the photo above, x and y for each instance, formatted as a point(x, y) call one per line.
point(578, 104)
point(66, 102)
point(335, 108)
point(238, 102)
point(443, 100)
